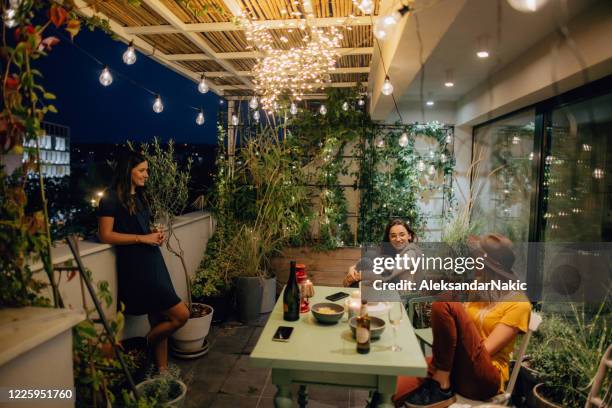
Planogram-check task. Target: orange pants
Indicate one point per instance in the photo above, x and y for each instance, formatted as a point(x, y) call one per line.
point(458, 348)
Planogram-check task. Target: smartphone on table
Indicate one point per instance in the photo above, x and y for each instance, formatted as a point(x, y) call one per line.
point(282, 333)
point(337, 296)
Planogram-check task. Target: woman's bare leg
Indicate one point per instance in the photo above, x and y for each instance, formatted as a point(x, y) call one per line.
point(162, 326)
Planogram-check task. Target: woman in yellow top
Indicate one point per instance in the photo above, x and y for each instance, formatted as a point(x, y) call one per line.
point(472, 341)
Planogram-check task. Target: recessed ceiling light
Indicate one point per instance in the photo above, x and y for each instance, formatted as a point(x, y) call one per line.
point(430, 103)
point(482, 54)
point(449, 84)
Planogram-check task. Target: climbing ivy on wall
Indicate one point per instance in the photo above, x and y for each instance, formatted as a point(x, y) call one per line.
point(395, 174)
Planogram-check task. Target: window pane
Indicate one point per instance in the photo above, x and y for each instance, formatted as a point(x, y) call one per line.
point(577, 180)
point(503, 178)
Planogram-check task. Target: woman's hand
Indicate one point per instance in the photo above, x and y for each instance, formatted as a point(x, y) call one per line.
point(154, 238)
point(351, 277)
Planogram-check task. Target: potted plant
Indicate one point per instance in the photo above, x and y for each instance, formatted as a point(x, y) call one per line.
point(168, 195)
point(565, 354)
point(165, 389)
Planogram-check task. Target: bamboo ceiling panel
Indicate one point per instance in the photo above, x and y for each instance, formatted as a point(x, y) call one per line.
point(226, 41)
point(270, 10)
point(360, 36)
point(349, 78)
point(246, 64)
point(338, 8)
point(201, 66)
point(199, 11)
point(349, 61)
point(171, 43)
point(227, 81)
point(127, 15)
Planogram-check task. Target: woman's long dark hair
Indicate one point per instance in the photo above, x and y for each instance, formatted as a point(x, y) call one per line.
point(387, 247)
point(122, 182)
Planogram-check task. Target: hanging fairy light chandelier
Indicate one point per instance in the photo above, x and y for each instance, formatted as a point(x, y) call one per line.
point(296, 71)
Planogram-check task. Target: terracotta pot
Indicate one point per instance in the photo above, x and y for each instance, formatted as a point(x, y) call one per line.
point(540, 400)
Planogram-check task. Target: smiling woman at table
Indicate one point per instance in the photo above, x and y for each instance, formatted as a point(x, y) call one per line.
point(472, 341)
point(400, 239)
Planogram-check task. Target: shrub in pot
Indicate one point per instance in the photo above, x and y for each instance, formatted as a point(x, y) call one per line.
point(566, 352)
point(164, 390)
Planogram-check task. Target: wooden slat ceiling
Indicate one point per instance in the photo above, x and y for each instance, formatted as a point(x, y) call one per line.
point(181, 30)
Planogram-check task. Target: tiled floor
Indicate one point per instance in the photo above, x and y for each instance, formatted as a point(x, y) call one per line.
point(224, 378)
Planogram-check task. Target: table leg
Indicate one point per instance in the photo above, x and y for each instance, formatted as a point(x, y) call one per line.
point(283, 397)
point(386, 389)
point(303, 396)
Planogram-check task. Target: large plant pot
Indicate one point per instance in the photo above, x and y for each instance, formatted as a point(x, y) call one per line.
point(540, 400)
point(222, 304)
point(190, 337)
point(250, 292)
point(177, 397)
point(528, 379)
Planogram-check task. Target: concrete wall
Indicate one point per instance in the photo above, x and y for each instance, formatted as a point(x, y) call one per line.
point(193, 230)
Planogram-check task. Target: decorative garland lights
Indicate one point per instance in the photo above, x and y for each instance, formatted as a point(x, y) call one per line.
point(295, 71)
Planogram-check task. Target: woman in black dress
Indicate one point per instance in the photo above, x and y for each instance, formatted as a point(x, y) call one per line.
point(144, 282)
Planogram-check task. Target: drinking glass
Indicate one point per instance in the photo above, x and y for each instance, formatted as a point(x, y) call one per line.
point(396, 313)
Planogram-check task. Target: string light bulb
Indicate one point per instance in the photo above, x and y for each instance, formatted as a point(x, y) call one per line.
point(158, 106)
point(106, 78)
point(380, 29)
point(360, 102)
point(256, 116)
point(293, 108)
point(323, 110)
point(430, 103)
point(387, 88)
point(253, 103)
point(129, 56)
point(345, 106)
point(366, 6)
point(235, 120)
point(403, 140)
point(392, 19)
point(200, 118)
point(203, 86)
point(527, 6)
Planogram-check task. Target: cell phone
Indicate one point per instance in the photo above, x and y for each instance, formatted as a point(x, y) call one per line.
point(337, 296)
point(282, 333)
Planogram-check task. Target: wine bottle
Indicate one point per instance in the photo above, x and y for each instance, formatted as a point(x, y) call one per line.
point(291, 297)
point(362, 332)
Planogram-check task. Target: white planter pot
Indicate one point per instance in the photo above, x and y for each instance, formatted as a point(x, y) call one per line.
point(190, 337)
point(150, 384)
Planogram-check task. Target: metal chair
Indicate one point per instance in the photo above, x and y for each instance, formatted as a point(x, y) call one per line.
point(534, 322)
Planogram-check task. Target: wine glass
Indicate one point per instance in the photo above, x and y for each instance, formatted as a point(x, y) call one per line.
point(396, 313)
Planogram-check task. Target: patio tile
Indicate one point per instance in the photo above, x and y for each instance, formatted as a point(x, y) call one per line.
point(231, 339)
point(212, 371)
point(323, 393)
point(245, 380)
point(198, 399)
point(253, 340)
point(234, 401)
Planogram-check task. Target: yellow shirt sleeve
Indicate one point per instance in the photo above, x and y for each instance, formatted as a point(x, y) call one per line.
point(517, 315)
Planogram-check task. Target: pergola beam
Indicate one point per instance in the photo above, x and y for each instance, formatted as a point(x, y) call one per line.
point(314, 86)
point(252, 54)
point(169, 16)
point(229, 26)
point(223, 74)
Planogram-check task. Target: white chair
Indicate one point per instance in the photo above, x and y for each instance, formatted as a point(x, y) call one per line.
point(502, 399)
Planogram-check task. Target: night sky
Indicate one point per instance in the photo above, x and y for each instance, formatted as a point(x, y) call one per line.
point(122, 111)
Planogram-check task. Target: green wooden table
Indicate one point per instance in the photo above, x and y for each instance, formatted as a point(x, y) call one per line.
point(327, 355)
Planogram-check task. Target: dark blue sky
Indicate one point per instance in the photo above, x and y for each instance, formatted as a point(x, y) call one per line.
point(122, 111)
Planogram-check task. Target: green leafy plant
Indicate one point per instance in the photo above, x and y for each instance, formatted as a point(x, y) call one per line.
point(566, 351)
point(25, 104)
